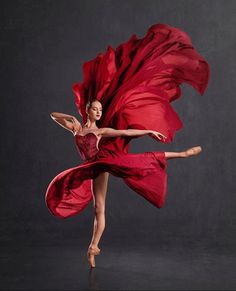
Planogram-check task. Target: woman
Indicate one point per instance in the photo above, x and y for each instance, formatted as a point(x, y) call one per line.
point(133, 86)
point(99, 184)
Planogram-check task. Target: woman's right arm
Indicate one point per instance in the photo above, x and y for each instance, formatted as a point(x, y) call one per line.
point(67, 121)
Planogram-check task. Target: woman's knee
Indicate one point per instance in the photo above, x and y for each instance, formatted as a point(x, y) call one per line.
point(99, 207)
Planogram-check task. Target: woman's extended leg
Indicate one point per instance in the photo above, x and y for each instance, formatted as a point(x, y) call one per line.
point(184, 154)
point(99, 188)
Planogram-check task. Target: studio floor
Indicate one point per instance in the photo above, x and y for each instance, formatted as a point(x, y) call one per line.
point(119, 267)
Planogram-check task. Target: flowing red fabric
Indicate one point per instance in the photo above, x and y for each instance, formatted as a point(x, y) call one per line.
point(136, 84)
point(70, 191)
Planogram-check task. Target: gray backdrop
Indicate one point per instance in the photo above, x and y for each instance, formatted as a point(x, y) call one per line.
point(43, 47)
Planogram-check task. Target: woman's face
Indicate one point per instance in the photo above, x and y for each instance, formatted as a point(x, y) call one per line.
point(95, 111)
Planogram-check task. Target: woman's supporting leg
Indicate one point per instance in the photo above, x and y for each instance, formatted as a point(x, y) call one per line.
point(184, 154)
point(99, 188)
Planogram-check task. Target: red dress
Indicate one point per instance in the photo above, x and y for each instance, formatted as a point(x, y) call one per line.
point(136, 84)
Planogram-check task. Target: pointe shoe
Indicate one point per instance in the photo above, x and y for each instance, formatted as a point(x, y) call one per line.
point(92, 251)
point(193, 151)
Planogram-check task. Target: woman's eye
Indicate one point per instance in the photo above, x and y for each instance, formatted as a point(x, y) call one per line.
point(94, 109)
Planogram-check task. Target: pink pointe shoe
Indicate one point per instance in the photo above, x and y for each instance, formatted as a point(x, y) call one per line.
point(193, 151)
point(92, 252)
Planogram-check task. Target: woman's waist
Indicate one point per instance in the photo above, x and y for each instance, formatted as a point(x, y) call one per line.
point(102, 153)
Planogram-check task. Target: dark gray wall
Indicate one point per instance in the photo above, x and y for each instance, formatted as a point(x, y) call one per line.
point(43, 47)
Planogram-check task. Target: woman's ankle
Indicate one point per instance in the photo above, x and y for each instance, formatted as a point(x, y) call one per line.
point(183, 154)
point(93, 246)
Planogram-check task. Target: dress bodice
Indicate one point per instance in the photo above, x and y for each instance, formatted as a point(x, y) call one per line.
point(87, 145)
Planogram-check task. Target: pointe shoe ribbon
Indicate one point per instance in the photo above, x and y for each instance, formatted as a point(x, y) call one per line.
point(94, 251)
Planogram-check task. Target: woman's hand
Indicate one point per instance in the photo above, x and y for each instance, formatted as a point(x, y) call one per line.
point(157, 134)
point(77, 125)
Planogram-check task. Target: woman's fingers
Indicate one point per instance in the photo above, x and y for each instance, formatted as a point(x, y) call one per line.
point(160, 135)
point(163, 136)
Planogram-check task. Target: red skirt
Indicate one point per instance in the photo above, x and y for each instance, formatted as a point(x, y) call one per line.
point(145, 173)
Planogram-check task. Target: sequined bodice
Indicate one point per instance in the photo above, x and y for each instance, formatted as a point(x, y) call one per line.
point(87, 145)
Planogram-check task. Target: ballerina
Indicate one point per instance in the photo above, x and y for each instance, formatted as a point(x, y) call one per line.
point(99, 184)
point(132, 88)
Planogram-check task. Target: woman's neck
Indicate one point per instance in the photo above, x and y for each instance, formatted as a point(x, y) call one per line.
point(90, 124)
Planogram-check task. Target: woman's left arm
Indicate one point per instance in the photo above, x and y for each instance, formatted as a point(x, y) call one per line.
point(110, 132)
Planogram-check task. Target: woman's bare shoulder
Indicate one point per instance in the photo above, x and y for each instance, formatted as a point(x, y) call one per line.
point(84, 131)
point(103, 130)
point(112, 132)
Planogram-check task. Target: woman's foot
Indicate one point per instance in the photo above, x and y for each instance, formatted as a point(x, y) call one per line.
point(92, 252)
point(192, 151)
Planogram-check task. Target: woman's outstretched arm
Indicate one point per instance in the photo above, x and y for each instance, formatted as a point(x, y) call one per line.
point(67, 121)
point(110, 132)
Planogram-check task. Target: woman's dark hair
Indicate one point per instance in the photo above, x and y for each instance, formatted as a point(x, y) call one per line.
point(89, 103)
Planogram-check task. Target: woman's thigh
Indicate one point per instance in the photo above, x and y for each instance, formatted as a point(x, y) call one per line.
point(99, 189)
